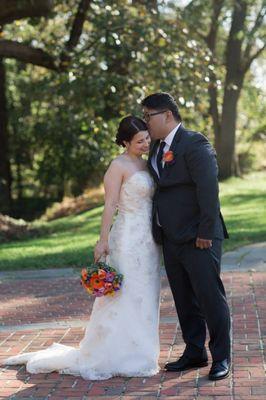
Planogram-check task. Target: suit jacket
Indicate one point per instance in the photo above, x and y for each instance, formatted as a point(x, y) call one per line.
point(186, 196)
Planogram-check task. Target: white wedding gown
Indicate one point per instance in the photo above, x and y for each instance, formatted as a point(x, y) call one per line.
point(122, 336)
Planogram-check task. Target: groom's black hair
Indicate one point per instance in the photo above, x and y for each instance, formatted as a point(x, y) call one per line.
point(160, 101)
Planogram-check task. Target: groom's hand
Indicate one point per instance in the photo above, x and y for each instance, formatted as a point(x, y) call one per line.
point(203, 243)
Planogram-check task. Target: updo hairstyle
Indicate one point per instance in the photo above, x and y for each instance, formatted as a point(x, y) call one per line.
point(128, 128)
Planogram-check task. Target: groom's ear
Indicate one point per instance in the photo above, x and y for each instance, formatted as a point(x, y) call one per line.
point(169, 115)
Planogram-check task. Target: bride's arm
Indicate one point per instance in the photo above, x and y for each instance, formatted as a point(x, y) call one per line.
point(112, 183)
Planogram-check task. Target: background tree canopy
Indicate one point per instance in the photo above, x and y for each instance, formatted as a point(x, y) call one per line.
point(69, 70)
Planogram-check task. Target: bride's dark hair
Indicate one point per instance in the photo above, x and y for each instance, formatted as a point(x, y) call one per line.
point(128, 128)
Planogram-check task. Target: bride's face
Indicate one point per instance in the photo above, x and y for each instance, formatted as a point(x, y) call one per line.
point(140, 143)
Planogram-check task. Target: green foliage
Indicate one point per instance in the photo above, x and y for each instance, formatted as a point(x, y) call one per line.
point(251, 130)
point(62, 125)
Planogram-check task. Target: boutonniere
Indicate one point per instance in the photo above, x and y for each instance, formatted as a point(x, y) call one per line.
point(168, 157)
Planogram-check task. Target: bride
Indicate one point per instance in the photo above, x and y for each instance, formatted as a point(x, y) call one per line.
point(122, 336)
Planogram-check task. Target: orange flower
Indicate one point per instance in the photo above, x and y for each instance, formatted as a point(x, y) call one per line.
point(84, 273)
point(168, 156)
point(96, 283)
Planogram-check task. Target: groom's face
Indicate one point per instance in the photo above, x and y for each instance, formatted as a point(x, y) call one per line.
point(156, 122)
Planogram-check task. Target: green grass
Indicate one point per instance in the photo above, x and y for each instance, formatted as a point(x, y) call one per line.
point(69, 241)
point(243, 203)
point(65, 242)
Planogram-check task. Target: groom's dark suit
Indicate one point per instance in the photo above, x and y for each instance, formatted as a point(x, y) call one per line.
point(187, 206)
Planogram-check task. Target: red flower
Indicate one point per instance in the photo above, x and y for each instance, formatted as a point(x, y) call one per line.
point(168, 156)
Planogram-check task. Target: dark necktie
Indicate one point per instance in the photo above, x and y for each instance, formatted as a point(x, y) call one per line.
point(159, 158)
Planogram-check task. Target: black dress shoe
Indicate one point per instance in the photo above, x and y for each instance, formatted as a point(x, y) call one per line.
point(219, 370)
point(185, 363)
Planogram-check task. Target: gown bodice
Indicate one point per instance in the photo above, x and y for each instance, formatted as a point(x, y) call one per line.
point(136, 194)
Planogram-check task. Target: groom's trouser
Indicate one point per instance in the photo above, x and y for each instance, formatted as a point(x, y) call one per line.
point(199, 295)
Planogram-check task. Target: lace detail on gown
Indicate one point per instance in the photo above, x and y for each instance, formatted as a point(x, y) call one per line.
point(122, 336)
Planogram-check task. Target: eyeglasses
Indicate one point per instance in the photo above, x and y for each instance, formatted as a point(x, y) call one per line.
point(147, 116)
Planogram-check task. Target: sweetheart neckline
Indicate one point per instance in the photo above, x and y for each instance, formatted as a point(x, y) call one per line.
point(135, 173)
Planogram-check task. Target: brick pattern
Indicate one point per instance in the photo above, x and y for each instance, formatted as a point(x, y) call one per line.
point(43, 301)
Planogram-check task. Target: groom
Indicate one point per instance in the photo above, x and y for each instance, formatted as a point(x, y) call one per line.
point(188, 223)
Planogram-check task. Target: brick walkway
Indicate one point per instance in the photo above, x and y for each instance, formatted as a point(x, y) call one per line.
point(37, 312)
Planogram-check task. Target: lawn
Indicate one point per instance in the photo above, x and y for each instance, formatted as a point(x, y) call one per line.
point(69, 241)
point(243, 203)
point(64, 242)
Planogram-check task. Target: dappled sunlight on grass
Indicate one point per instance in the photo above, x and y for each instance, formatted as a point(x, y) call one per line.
point(69, 241)
point(244, 209)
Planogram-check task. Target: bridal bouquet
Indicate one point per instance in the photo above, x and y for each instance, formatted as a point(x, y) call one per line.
point(101, 280)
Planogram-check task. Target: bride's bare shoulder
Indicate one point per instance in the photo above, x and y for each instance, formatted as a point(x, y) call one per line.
point(120, 159)
point(116, 167)
point(119, 162)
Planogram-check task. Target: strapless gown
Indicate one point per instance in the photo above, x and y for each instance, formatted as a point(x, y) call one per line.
point(122, 335)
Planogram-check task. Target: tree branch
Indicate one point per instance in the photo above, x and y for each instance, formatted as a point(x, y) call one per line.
point(35, 56)
point(11, 10)
point(211, 38)
point(257, 24)
point(75, 33)
point(259, 20)
point(22, 52)
point(233, 53)
point(78, 23)
point(253, 57)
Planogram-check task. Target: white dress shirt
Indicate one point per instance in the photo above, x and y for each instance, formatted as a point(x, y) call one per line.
point(168, 141)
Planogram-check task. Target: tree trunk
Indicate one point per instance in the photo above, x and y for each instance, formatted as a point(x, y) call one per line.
point(5, 170)
point(241, 50)
point(225, 141)
point(232, 88)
